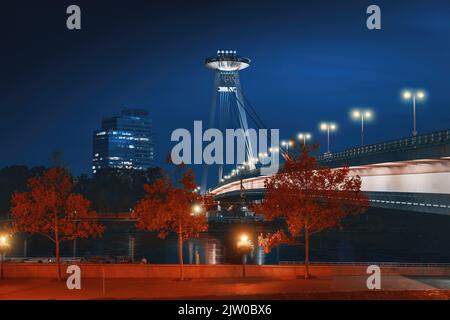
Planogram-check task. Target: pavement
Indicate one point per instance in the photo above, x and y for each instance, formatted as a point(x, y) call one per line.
point(335, 287)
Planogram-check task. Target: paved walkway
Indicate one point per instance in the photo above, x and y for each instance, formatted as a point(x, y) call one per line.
point(331, 287)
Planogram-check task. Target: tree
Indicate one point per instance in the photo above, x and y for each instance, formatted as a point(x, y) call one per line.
point(310, 199)
point(50, 209)
point(173, 207)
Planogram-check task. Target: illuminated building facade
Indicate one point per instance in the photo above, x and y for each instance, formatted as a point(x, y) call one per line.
point(124, 142)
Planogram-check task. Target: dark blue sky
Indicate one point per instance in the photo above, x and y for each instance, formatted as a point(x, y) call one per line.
point(311, 61)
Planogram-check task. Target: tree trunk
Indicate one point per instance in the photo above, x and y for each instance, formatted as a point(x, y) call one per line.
point(58, 260)
point(306, 250)
point(180, 251)
point(57, 243)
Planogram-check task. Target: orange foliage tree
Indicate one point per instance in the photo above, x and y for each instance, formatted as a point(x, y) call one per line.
point(173, 207)
point(52, 210)
point(309, 198)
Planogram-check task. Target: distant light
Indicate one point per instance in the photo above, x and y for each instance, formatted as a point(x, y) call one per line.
point(196, 209)
point(324, 126)
point(304, 136)
point(244, 242)
point(4, 241)
point(407, 94)
point(356, 114)
point(274, 149)
point(420, 95)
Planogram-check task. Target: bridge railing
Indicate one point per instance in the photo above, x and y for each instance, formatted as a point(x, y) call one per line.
point(419, 141)
point(429, 139)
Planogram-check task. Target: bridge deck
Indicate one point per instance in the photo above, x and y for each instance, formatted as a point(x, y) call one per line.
point(408, 174)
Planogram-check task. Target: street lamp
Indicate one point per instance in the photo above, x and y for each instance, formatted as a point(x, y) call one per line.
point(362, 115)
point(263, 156)
point(274, 149)
point(414, 95)
point(287, 144)
point(304, 136)
point(5, 243)
point(196, 209)
point(328, 127)
point(245, 245)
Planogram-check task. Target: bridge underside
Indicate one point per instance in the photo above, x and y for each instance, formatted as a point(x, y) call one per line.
point(407, 201)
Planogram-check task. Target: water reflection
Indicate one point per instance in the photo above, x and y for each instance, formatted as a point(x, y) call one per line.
point(213, 251)
point(377, 236)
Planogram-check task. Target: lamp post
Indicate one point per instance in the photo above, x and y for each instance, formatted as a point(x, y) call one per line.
point(304, 136)
point(362, 115)
point(262, 157)
point(328, 127)
point(287, 144)
point(196, 210)
point(245, 245)
point(5, 243)
point(274, 149)
point(415, 96)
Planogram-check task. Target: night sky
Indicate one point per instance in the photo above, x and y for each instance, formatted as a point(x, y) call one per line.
point(311, 61)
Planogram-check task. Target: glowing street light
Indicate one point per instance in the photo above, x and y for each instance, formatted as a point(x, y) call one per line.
point(328, 127)
point(362, 115)
point(5, 243)
point(414, 95)
point(274, 149)
point(262, 157)
point(245, 245)
point(196, 209)
point(304, 136)
point(287, 144)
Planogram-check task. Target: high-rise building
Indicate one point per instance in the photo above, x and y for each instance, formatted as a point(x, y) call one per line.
point(124, 141)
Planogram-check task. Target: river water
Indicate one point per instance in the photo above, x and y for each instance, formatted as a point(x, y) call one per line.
point(377, 236)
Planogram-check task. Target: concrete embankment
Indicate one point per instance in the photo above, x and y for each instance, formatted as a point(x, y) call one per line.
point(161, 271)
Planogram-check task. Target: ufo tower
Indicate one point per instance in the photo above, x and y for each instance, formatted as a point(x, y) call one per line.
point(229, 107)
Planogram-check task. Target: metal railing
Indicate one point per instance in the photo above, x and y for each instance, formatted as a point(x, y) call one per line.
point(409, 143)
point(425, 140)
